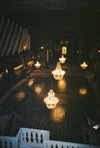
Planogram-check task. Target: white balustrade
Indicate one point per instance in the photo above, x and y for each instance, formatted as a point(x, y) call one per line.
point(33, 137)
point(60, 144)
point(8, 142)
point(24, 136)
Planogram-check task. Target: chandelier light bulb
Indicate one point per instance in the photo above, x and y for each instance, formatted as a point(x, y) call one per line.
point(37, 64)
point(62, 59)
point(51, 101)
point(58, 73)
point(84, 65)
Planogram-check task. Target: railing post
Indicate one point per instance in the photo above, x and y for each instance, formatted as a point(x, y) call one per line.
point(45, 145)
point(39, 138)
point(29, 137)
point(3, 143)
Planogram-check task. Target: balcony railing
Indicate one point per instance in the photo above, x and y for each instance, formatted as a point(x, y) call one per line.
point(24, 136)
point(34, 138)
point(60, 144)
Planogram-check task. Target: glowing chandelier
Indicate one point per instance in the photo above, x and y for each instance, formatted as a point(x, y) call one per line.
point(51, 101)
point(37, 64)
point(84, 65)
point(62, 59)
point(58, 73)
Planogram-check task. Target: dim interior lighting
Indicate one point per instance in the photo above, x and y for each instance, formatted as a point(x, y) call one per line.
point(1, 75)
point(38, 89)
point(20, 95)
point(58, 114)
point(51, 101)
point(32, 57)
point(84, 65)
point(42, 47)
point(24, 47)
point(58, 73)
point(62, 84)
point(83, 91)
point(18, 67)
point(6, 70)
point(64, 50)
point(62, 59)
point(30, 63)
point(37, 64)
point(30, 82)
point(98, 51)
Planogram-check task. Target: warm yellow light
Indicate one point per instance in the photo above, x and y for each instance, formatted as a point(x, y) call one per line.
point(62, 84)
point(58, 73)
point(83, 91)
point(64, 50)
point(18, 67)
point(62, 59)
point(78, 51)
point(51, 101)
point(20, 95)
point(30, 82)
point(58, 114)
point(38, 89)
point(30, 63)
point(37, 65)
point(42, 47)
point(84, 65)
point(98, 51)
point(24, 47)
point(32, 57)
point(6, 70)
point(1, 74)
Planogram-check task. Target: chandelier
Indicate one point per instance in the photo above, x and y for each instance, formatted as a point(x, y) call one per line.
point(51, 101)
point(62, 59)
point(58, 73)
point(84, 65)
point(37, 64)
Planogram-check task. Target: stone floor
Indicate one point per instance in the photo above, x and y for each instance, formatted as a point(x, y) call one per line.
point(67, 122)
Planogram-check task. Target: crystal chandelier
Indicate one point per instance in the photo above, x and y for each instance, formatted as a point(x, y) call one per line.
point(84, 65)
point(51, 101)
point(58, 73)
point(37, 64)
point(62, 59)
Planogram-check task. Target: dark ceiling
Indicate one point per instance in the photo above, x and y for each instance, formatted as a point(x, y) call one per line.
point(64, 19)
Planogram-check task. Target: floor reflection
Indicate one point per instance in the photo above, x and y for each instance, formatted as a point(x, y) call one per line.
point(62, 84)
point(30, 82)
point(58, 114)
point(83, 91)
point(67, 118)
point(38, 88)
point(20, 95)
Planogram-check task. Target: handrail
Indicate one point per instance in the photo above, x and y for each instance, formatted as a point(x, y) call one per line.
point(8, 142)
point(33, 136)
point(26, 136)
point(60, 144)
